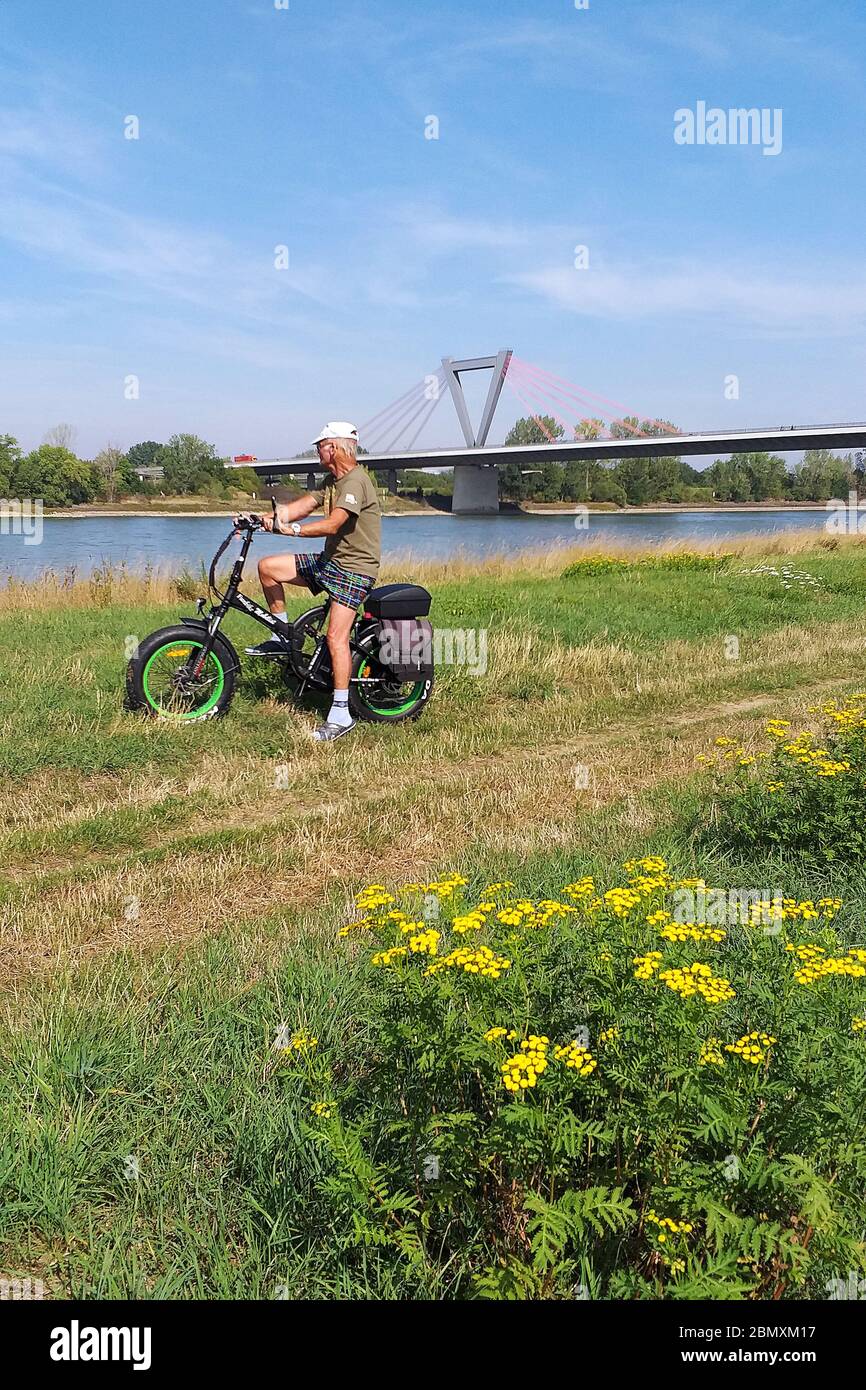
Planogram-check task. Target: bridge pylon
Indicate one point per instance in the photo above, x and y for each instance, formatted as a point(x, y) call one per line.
point(476, 486)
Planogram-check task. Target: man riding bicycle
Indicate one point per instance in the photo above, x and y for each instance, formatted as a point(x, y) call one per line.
point(346, 569)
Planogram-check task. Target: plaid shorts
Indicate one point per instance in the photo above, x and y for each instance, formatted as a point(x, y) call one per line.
point(343, 586)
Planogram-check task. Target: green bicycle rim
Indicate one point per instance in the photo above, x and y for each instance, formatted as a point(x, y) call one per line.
point(389, 713)
point(200, 710)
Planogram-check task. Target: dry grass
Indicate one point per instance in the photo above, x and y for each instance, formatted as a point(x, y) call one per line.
point(116, 584)
point(339, 821)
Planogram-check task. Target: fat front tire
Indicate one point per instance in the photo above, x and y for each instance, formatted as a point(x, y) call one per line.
point(160, 678)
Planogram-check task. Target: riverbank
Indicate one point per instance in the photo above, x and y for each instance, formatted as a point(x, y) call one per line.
point(91, 511)
point(669, 508)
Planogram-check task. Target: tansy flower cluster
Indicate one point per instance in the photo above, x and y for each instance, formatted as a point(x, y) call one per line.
point(373, 897)
point(482, 961)
point(528, 914)
point(752, 1047)
point(377, 919)
point(647, 965)
point(583, 889)
point(446, 887)
point(711, 1053)
point(301, 1042)
point(816, 964)
point(388, 957)
point(323, 1108)
point(858, 1024)
point(691, 931)
point(576, 1056)
point(522, 1071)
point(650, 864)
point(698, 978)
point(472, 921)
point(621, 901)
point(425, 943)
point(667, 1226)
point(818, 760)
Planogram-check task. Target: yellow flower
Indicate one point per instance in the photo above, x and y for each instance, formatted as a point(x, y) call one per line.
point(576, 1056)
point(301, 1042)
point(482, 961)
point(813, 968)
point(425, 943)
point(752, 1047)
point(323, 1108)
point(698, 978)
point(521, 1072)
point(647, 965)
point(710, 1054)
point(668, 1226)
point(388, 957)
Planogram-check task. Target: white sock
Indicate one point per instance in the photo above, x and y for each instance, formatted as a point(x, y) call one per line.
point(339, 711)
point(281, 617)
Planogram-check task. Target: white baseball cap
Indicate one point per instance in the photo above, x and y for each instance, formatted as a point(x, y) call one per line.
point(337, 429)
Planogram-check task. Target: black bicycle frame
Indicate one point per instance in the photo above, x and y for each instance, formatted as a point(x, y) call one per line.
point(233, 598)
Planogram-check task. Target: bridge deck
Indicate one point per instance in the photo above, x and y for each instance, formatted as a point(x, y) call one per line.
point(784, 438)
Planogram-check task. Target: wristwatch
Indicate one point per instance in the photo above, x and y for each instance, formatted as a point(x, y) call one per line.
point(295, 528)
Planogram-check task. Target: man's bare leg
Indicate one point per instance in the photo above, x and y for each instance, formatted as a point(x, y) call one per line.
point(339, 627)
point(274, 572)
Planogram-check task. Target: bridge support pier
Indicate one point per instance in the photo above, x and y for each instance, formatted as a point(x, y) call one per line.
point(476, 490)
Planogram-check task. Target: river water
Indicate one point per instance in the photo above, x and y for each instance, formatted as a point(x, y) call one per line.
point(174, 543)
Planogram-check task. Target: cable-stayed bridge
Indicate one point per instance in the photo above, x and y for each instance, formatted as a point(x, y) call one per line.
point(603, 430)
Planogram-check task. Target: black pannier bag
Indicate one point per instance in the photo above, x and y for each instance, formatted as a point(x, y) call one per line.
point(398, 601)
point(406, 647)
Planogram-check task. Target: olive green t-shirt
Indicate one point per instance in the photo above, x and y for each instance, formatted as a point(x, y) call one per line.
point(357, 546)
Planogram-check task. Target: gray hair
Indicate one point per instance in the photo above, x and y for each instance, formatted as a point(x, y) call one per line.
point(350, 445)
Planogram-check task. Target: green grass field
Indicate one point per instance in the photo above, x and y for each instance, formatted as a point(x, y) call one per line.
point(170, 896)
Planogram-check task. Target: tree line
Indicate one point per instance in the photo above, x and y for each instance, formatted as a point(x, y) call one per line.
point(55, 473)
point(744, 477)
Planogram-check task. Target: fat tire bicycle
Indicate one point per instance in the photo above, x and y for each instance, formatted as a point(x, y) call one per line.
point(188, 671)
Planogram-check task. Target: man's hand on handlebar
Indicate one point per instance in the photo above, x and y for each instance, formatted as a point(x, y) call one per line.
point(253, 520)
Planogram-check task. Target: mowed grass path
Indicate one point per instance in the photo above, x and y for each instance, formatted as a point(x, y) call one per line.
point(119, 833)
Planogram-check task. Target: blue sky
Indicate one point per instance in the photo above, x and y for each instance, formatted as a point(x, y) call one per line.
point(306, 128)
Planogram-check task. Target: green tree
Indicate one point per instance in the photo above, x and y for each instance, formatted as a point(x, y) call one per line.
point(589, 428)
point(143, 455)
point(10, 455)
point(514, 483)
point(821, 475)
point(549, 484)
point(191, 465)
point(533, 430)
point(54, 474)
point(111, 470)
point(605, 488)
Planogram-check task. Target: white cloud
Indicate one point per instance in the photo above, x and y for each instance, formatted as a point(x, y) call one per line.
point(749, 297)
